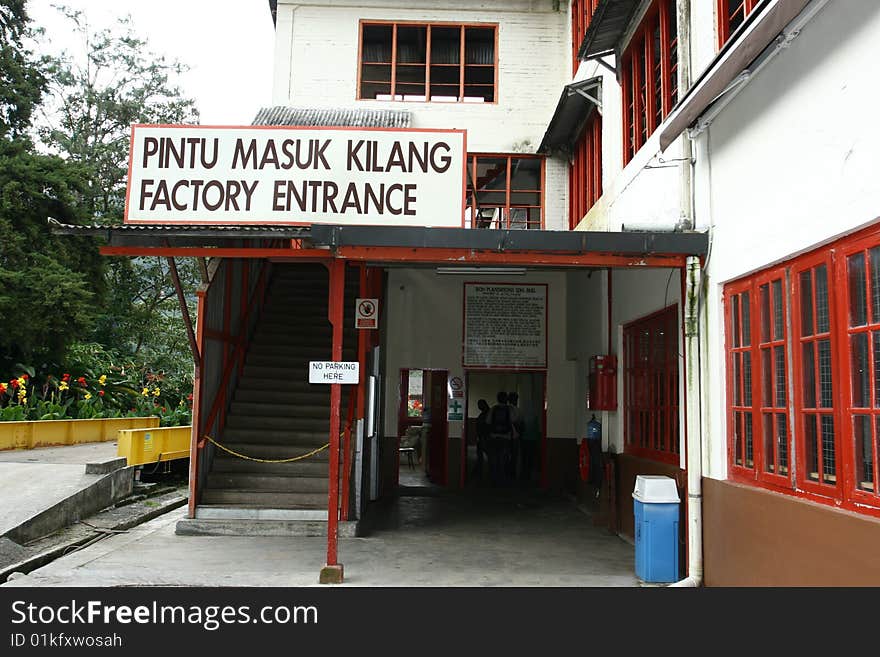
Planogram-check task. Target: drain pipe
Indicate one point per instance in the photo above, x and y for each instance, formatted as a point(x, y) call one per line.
point(694, 427)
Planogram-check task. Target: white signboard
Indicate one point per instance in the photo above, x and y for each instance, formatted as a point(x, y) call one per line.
point(505, 325)
point(283, 175)
point(334, 372)
point(366, 313)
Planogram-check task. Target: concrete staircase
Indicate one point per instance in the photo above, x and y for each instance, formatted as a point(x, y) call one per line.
point(276, 414)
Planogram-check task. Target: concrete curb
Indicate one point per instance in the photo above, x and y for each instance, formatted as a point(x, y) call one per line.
point(41, 559)
point(99, 495)
point(246, 527)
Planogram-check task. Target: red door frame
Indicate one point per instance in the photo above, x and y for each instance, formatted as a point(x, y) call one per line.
point(403, 420)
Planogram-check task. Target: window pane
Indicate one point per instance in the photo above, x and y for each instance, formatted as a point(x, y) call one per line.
point(864, 460)
point(737, 439)
point(778, 311)
point(750, 457)
point(829, 458)
point(746, 320)
point(779, 353)
point(811, 444)
point(737, 381)
point(875, 335)
point(765, 313)
point(734, 302)
point(875, 283)
point(769, 444)
point(806, 278)
point(766, 377)
point(809, 374)
point(782, 441)
point(858, 303)
point(859, 370)
point(747, 378)
point(822, 323)
point(826, 390)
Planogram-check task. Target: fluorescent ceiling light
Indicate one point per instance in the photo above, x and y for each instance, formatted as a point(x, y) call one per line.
point(508, 271)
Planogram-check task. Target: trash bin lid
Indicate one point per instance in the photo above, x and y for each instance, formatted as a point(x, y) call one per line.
point(655, 489)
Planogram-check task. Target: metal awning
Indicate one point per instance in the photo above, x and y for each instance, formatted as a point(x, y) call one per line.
point(731, 65)
point(577, 102)
point(607, 27)
point(334, 237)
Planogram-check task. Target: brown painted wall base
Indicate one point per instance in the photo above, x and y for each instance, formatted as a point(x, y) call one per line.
point(628, 468)
point(754, 537)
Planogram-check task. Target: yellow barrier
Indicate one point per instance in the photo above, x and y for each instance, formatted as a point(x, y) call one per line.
point(47, 433)
point(141, 446)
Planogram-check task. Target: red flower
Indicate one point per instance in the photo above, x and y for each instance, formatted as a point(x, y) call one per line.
point(189, 397)
point(65, 377)
point(25, 377)
point(2, 388)
point(13, 383)
point(82, 381)
point(163, 409)
point(100, 393)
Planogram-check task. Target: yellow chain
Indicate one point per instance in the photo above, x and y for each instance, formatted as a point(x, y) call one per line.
point(251, 458)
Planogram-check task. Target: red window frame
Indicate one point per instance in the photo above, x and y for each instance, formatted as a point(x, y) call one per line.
point(649, 79)
point(832, 352)
point(731, 14)
point(504, 220)
point(581, 16)
point(758, 418)
point(861, 471)
point(485, 73)
point(651, 387)
point(585, 171)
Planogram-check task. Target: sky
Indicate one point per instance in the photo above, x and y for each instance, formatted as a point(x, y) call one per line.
point(227, 44)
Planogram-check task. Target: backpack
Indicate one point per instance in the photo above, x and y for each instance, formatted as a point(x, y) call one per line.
point(500, 423)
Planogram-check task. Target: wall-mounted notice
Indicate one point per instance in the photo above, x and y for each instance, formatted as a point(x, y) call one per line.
point(505, 325)
point(287, 175)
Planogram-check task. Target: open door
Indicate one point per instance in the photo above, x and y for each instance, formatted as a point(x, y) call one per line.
point(422, 413)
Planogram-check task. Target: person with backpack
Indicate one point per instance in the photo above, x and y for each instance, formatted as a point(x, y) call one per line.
point(500, 435)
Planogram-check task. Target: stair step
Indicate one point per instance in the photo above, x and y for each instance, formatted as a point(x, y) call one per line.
point(305, 468)
point(286, 384)
point(316, 396)
point(268, 482)
point(268, 409)
point(283, 423)
point(268, 450)
point(265, 499)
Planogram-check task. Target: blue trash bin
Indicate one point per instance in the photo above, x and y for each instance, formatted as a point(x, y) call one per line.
point(656, 502)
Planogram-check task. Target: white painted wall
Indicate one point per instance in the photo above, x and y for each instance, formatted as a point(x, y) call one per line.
point(790, 163)
point(316, 65)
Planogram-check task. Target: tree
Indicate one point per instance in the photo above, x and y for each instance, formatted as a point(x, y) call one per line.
point(48, 286)
point(94, 98)
point(97, 95)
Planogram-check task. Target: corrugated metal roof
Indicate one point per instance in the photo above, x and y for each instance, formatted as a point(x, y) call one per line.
point(607, 27)
point(333, 117)
point(571, 113)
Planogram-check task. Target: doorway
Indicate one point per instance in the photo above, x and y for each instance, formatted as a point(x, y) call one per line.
point(422, 428)
point(527, 457)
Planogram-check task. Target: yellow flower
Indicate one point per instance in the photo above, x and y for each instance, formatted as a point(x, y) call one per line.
point(22, 400)
point(156, 392)
point(88, 395)
point(102, 379)
point(145, 392)
point(22, 381)
point(63, 386)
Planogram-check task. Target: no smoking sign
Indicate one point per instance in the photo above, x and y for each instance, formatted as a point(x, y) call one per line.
point(366, 313)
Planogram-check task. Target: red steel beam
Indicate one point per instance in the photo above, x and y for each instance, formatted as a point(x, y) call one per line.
point(523, 258)
point(197, 405)
point(335, 315)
